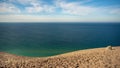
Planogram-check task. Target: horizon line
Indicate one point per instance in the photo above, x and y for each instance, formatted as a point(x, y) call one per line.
point(60, 22)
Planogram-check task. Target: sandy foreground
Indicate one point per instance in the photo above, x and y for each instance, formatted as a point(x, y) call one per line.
point(89, 58)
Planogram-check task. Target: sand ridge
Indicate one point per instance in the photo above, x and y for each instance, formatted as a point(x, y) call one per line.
point(89, 58)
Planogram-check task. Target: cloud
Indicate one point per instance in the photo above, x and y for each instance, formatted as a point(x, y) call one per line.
point(37, 6)
point(64, 7)
point(115, 11)
point(49, 9)
point(25, 2)
point(75, 8)
point(33, 18)
point(8, 8)
point(65, 11)
point(79, 8)
point(34, 9)
point(28, 6)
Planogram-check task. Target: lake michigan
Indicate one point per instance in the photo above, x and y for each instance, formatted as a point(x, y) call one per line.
point(48, 39)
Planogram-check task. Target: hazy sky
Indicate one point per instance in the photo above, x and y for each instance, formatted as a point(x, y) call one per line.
point(59, 10)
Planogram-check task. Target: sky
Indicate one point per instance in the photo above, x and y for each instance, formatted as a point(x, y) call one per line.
point(59, 10)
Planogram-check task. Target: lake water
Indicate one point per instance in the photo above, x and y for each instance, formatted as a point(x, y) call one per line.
point(47, 39)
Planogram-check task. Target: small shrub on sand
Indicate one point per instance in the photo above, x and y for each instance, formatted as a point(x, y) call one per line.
point(109, 47)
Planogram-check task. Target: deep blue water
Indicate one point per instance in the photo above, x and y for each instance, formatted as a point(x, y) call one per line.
point(47, 39)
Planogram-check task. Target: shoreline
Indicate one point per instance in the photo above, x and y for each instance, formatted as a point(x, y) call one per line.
point(89, 58)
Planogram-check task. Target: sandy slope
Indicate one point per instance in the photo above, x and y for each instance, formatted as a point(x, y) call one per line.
point(90, 58)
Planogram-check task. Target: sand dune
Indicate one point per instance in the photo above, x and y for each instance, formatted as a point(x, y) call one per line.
point(91, 58)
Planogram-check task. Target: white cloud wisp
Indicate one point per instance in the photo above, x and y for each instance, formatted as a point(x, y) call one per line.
point(8, 8)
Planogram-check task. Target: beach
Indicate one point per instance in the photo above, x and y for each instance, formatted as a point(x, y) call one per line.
point(105, 57)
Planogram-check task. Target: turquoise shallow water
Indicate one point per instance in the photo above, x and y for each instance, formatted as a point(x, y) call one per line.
point(47, 39)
